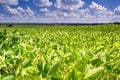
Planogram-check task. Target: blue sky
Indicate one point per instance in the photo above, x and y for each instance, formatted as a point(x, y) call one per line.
point(59, 11)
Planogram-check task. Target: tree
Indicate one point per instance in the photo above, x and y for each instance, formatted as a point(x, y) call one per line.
point(10, 25)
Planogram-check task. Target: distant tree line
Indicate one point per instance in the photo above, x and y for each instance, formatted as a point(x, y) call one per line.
point(9, 25)
point(116, 23)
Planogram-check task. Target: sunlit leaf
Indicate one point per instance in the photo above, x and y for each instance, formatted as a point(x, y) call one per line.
point(54, 68)
point(9, 77)
point(93, 74)
point(26, 63)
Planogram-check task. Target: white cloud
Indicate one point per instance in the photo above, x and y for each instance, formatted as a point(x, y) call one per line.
point(51, 14)
point(115, 18)
point(44, 10)
point(61, 14)
point(117, 10)
point(96, 7)
point(69, 5)
point(67, 11)
point(10, 10)
point(9, 2)
point(99, 10)
point(29, 12)
point(42, 2)
point(19, 11)
point(94, 13)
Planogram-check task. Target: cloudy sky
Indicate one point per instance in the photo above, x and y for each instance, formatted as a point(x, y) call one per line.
point(59, 11)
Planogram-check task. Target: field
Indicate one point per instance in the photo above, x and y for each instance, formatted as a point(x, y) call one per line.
point(60, 52)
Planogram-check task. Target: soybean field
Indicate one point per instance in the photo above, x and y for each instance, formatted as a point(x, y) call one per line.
point(60, 52)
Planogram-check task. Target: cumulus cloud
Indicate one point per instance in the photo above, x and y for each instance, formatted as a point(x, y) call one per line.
point(29, 12)
point(69, 5)
point(61, 14)
point(99, 13)
point(117, 10)
point(99, 10)
point(9, 2)
point(19, 11)
point(66, 8)
point(44, 10)
point(10, 10)
point(42, 2)
point(66, 11)
point(97, 7)
point(94, 13)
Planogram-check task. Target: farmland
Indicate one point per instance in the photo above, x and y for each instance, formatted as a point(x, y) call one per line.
point(60, 52)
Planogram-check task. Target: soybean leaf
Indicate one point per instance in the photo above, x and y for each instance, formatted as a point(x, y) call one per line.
point(54, 68)
point(93, 74)
point(74, 75)
point(9, 77)
point(26, 63)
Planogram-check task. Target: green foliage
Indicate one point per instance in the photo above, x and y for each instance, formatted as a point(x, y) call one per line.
point(9, 77)
point(60, 53)
point(25, 63)
point(93, 74)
